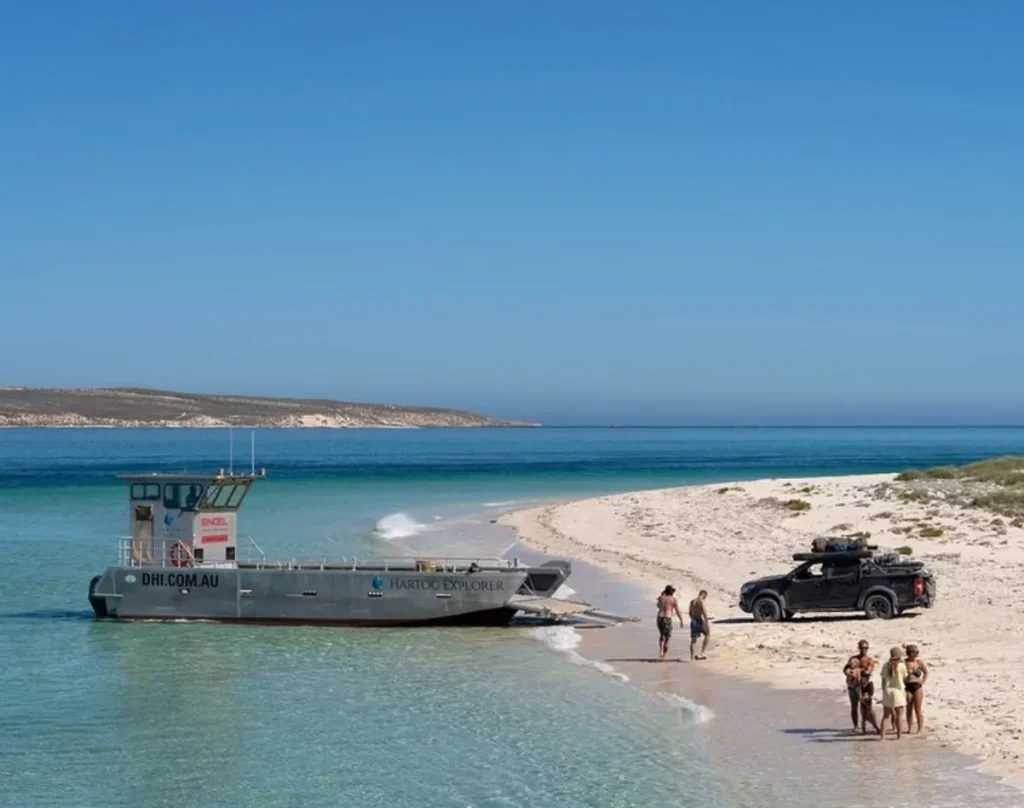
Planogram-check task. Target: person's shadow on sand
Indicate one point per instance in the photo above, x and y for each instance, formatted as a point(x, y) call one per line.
point(830, 735)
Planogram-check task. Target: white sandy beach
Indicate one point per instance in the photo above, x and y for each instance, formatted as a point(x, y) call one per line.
point(712, 538)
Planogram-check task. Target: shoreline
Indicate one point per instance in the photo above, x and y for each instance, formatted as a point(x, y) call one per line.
point(768, 739)
point(716, 536)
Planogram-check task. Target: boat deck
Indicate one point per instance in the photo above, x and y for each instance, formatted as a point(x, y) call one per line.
point(557, 610)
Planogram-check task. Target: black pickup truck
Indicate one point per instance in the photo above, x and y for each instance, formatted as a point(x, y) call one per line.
point(846, 580)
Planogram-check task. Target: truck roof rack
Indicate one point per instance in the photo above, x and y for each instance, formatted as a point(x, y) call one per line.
point(835, 556)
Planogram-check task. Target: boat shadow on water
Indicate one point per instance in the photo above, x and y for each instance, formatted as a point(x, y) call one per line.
point(48, 614)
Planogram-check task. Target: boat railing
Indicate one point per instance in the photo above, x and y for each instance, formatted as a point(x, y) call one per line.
point(398, 563)
point(252, 545)
point(174, 553)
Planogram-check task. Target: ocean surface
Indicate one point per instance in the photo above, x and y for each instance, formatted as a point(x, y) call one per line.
point(118, 715)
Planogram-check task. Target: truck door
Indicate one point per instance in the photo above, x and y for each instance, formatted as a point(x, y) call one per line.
point(842, 585)
point(806, 588)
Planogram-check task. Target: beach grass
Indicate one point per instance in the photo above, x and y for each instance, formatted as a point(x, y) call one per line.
point(797, 505)
point(1007, 470)
point(1007, 501)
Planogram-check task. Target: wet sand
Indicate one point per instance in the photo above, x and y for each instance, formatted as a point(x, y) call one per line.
point(717, 537)
point(789, 746)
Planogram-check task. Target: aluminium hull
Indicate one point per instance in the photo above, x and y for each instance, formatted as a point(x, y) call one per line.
point(344, 597)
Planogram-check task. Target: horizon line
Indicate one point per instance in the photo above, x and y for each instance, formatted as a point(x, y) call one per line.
point(781, 426)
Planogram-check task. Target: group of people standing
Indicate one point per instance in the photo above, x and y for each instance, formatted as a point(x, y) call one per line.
point(902, 680)
point(700, 622)
point(902, 676)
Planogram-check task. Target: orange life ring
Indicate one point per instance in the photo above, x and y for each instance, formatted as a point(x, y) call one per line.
point(180, 555)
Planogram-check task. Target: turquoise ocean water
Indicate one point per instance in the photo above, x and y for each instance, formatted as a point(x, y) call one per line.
point(103, 714)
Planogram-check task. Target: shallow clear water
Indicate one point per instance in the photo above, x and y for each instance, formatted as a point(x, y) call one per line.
point(98, 714)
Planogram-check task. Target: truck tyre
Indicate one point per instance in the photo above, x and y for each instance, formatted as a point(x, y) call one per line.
point(767, 609)
point(879, 607)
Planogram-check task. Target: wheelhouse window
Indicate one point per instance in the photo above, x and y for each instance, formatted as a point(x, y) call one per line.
point(224, 493)
point(182, 496)
point(236, 496)
point(146, 491)
point(224, 496)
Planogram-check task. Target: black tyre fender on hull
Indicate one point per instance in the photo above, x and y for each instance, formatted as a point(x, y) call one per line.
point(99, 605)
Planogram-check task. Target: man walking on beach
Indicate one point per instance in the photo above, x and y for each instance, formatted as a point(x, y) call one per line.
point(700, 624)
point(667, 604)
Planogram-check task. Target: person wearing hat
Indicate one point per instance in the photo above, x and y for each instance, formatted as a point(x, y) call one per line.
point(667, 604)
point(894, 694)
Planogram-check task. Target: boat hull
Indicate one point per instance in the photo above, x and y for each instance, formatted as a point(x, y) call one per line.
point(338, 596)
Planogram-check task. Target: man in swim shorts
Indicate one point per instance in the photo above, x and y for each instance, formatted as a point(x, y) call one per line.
point(667, 604)
point(855, 667)
point(700, 625)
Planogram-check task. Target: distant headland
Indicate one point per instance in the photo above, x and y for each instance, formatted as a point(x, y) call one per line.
point(135, 407)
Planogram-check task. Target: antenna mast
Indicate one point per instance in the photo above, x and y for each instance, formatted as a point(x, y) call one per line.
point(231, 450)
point(252, 453)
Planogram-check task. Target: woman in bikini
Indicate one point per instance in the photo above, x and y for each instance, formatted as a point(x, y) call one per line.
point(917, 675)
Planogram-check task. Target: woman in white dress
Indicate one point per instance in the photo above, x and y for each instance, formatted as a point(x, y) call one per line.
point(894, 694)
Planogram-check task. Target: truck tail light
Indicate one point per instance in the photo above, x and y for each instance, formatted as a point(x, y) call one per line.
point(918, 587)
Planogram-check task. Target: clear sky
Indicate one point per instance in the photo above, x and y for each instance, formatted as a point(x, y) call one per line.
point(799, 212)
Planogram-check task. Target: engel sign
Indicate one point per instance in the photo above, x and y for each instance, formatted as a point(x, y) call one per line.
point(214, 529)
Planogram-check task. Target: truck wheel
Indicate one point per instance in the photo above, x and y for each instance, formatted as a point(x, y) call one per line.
point(767, 610)
point(879, 607)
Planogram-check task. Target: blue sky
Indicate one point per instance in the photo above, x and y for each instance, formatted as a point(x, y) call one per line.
point(572, 212)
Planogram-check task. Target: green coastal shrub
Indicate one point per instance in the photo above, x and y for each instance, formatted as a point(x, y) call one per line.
point(1007, 470)
point(931, 532)
point(797, 505)
point(1008, 501)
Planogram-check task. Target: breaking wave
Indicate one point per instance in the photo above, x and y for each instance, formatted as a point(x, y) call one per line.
point(397, 526)
point(565, 639)
point(699, 712)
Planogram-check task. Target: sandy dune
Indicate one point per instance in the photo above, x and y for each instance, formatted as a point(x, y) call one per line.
point(716, 537)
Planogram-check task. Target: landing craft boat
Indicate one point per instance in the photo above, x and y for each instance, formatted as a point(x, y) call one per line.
point(181, 561)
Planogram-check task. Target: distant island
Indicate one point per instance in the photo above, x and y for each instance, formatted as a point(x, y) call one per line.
point(135, 407)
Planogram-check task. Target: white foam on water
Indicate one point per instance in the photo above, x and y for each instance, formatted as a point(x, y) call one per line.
point(502, 504)
point(564, 592)
point(565, 639)
point(397, 526)
point(700, 713)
